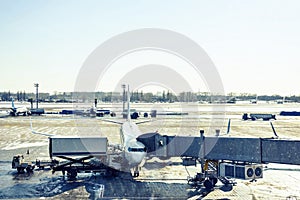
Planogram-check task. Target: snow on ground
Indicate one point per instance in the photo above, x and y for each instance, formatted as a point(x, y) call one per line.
point(158, 178)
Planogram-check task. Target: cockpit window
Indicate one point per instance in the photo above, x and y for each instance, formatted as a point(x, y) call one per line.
point(132, 149)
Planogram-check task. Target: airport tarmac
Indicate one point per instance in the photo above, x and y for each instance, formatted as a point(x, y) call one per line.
point(159, 178)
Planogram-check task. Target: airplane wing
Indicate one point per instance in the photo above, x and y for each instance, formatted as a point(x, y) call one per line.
point(39, 133)
point(112, 121)
point(146, 121)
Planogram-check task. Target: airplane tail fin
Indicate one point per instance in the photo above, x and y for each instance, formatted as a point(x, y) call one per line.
point(12, 103)
point(128, 105)
point(274, 131)
point(228, 126)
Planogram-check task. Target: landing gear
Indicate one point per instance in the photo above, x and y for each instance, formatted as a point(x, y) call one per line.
point(136, 172)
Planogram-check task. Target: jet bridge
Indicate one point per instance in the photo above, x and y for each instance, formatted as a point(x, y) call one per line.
point(252, 150)
point(222, 158)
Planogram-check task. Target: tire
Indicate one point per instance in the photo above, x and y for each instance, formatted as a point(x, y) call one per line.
point(20, 169)
point(208, 185)
point(213, 181)
point(29, 169)
point(136, 174)
point(72, 173)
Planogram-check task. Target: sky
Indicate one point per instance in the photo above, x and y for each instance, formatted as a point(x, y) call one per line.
point(254, 45)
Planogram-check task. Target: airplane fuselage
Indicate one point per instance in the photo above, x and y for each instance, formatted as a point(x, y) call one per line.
point(15, 111)
point(135, 151)
point(19, 110)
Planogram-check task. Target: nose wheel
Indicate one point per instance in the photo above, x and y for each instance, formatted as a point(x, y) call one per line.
point(136, 172)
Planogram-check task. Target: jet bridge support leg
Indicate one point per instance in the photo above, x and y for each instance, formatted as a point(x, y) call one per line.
point(209, 175)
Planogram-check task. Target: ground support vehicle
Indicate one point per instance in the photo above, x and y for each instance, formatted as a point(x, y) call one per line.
point(19, 163)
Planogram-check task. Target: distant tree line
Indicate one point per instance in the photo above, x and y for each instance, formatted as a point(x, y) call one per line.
point(140, 96)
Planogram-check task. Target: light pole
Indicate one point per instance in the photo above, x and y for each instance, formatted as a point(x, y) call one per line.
point(37, 95)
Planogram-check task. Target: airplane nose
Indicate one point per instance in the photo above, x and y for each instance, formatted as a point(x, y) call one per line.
point(139, 157)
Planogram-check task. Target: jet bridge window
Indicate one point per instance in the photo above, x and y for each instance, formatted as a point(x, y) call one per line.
point(132, 149)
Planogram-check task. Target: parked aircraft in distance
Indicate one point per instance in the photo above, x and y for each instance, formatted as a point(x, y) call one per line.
point(254, 101)
point(4, 113)
point(15, 111)
point(255, 116)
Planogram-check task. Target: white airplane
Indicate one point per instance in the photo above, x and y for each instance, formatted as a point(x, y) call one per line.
point(4, 113)
point(254, 101)
point(134, 151)
point(15, 111)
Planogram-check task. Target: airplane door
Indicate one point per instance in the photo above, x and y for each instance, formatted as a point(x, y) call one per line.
point(161, 146)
